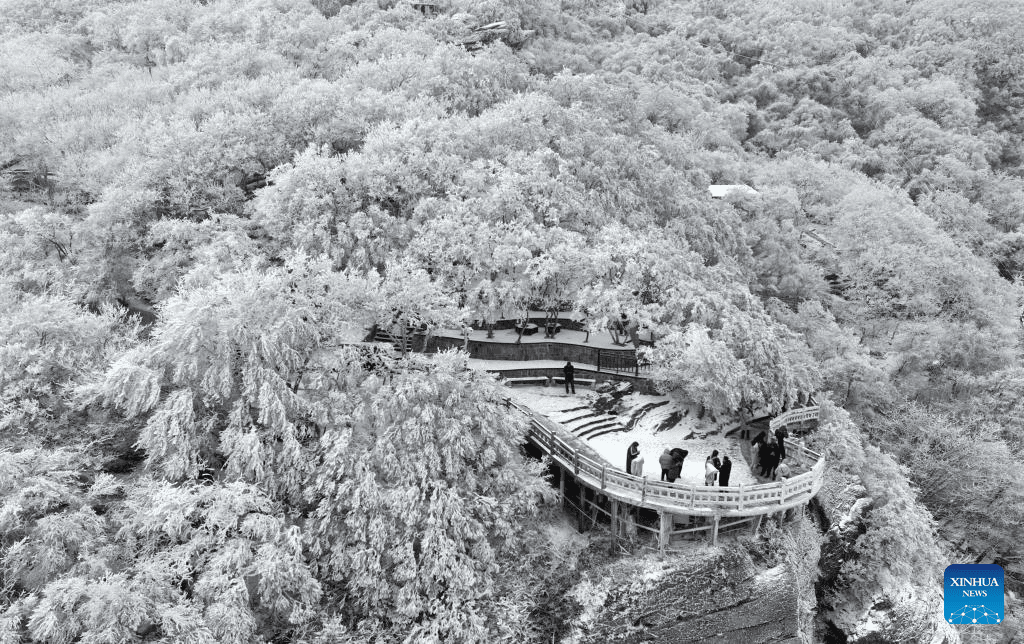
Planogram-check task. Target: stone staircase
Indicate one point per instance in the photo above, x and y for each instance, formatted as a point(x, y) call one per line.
point(587, 423)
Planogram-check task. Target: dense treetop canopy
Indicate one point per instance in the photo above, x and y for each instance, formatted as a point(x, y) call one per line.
point(260, 178)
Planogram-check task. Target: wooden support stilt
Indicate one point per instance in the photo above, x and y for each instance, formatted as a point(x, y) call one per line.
point(714, 533)
point(615, 525)
point(561, 486)
point(583, 502)
point(663, 533)
point(757, 524)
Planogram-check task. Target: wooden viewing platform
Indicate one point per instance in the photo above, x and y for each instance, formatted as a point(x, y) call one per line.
point(671, 500)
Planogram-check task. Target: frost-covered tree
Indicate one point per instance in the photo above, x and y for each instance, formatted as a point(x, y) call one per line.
point(700, 369)
point(218, 383)
point(48, 346)
point(408, 471)
point(87, 558)
point(421, 495)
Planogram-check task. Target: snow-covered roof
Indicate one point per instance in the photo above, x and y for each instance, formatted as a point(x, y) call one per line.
point(722, 189)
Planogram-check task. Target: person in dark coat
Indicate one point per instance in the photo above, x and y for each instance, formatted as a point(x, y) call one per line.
point(765, 455)
point(770, 460)
point(569, 371)
point(777, 451)
point(780, 436)
point(677, 468)
point(665, 460)
point(724, 471)
point(632, 452)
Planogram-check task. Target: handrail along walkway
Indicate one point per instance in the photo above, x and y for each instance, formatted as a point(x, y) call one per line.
point(694, 500)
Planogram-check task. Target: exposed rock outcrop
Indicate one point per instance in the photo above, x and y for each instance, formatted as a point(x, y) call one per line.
point(609, 395)
point(894, 608)
point(708, 595)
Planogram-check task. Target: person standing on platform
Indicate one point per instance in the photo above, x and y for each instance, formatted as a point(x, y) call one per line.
point(632, 452)
point(755, 449)
point(638, 466)
point(780, 437)
point(569, 371)
point(710, 471)
point(769, 458)
point(675, 471)
point(666, 463)
point(724, 472)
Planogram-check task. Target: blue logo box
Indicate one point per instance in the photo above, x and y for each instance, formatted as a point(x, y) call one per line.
point(973, 594)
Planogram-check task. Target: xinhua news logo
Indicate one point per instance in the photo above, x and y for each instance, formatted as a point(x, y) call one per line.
point(974, 594)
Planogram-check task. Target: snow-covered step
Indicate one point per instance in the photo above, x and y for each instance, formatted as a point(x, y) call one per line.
point(601, 430)
point(600, 420)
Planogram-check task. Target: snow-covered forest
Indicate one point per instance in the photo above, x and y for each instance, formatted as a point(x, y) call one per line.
point(205, 206)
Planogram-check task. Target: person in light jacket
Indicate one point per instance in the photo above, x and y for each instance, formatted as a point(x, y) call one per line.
point(638, 466)
point(710, 472)
point(665, 461)
point(755, 451)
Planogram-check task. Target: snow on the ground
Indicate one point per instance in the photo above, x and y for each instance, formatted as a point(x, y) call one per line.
point(612, 446)
point(549, 400)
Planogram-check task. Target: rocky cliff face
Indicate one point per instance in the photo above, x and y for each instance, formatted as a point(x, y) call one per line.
point(895, 611)
point(707, 595)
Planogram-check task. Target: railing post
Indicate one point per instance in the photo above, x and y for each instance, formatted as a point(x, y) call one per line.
point(576, 462)
point(604, 468)
point(693, 494)
point(741, 496)
point(598, 361)
point(643, 491)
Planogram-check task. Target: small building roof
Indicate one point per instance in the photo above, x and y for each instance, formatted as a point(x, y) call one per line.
point(720, 190)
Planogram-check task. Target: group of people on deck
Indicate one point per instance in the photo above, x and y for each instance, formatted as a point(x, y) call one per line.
point(717, 469)
point(768, 451)
point(671, 461)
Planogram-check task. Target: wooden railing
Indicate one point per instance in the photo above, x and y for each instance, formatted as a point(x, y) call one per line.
point(621, 361)
point(742, 500)
point(798, 415)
